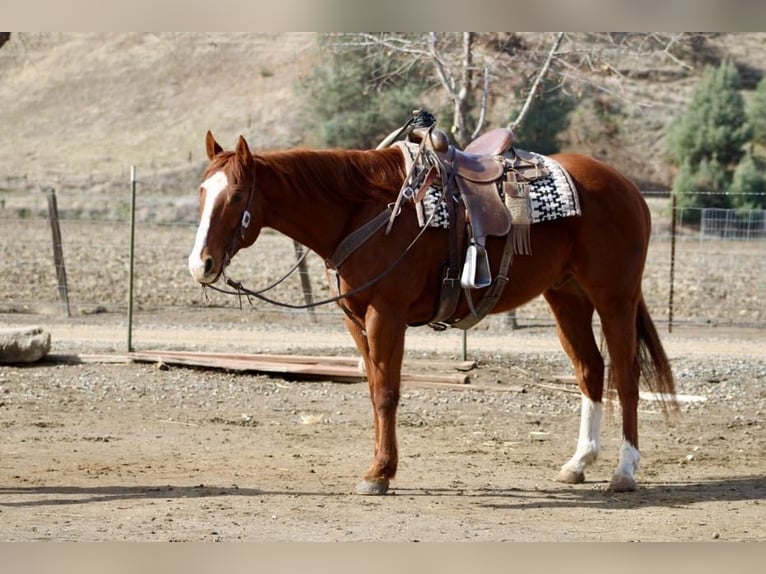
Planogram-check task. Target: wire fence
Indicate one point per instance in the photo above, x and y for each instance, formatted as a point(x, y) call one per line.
point(711, 272)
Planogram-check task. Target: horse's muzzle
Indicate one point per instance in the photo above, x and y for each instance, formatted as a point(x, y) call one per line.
point(203, 269)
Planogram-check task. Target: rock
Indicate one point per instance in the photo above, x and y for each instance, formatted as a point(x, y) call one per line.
point(24, 345)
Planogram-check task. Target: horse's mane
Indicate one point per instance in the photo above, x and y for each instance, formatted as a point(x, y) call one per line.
point(223, 162)
point(353, 175)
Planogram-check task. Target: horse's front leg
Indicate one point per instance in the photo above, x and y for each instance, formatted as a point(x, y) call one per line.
point(383, 351)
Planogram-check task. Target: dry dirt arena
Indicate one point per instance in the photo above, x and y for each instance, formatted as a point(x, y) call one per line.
point(140, 452)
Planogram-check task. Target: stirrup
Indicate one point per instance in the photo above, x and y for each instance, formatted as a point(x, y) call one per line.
point(476, 273)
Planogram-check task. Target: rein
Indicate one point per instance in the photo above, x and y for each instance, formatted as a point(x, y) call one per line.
point(240, 289)
point(344, 249)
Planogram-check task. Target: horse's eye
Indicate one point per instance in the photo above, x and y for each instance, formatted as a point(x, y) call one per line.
point(237, 197)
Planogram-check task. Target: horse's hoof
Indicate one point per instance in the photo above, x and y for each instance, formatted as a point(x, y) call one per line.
point(570, 476)
point(622, 483)
point(368, 487)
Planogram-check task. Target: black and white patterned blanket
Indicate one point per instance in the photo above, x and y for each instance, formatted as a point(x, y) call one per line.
point(549, 198)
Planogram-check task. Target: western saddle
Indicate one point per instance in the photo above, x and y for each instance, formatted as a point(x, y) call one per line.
point(471, 181)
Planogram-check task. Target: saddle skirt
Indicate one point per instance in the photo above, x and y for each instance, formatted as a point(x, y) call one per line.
point(546, 198)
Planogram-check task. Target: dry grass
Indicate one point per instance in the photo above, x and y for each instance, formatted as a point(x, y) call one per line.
point(94, 104)
point(79, 109)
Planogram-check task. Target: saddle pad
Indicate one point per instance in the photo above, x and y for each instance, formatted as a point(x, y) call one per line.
point(551, 197)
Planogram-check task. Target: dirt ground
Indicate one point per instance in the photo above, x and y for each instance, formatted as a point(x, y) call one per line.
point(113, 452)
point(136, 452)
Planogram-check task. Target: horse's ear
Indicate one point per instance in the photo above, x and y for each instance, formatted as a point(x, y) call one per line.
point(212, 146)
point(243, 151)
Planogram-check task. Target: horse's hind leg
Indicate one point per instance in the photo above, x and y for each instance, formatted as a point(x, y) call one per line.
point(574, 313)
point(619, 326)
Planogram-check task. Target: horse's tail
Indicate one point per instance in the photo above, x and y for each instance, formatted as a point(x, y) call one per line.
point(656, 373)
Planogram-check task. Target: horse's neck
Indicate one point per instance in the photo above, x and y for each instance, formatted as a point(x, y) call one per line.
point(308, 229)
point(316, 222)
point(313, 215)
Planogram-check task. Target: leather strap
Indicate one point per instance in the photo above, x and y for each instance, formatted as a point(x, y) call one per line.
point(355, 239)
point(449, 294)
point(345, 248)
point(492, 296)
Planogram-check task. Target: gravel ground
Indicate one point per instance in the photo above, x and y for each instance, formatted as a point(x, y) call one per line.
point(135, 452)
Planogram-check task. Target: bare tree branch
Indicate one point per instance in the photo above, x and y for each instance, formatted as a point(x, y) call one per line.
point(507, 62)
point(533, 89)
point(441, 70)
point(460, 104)
point(671, 42)
point(482, 105)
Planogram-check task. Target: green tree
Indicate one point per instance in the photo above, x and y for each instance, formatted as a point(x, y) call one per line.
point(708, 140)
point(702, 186)
point(357, 96)
point(757, 113)
point(748, 187)
point(547, 117)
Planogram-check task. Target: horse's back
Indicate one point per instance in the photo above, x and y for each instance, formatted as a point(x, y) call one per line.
point(607, 197)
point(593, 173)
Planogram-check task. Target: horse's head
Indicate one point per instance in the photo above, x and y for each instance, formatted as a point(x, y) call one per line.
point(230, 216)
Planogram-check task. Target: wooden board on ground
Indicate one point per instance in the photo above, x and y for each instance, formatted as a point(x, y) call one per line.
point(317, 359)
point(338, 369)
point(79, 359)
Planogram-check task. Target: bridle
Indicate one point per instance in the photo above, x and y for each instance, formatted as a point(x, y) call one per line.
point(239, 233)
point(377, 223)
point(343, 251)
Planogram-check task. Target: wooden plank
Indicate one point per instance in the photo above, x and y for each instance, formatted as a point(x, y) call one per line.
point(339, 373)
point(270, 358)
point(453, 379)
point(318, 359)
point(334, 372)
point(466, 386)
point(339, 369)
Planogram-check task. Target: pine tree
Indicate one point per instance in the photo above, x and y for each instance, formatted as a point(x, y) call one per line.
point(357, 97)
point(748, 187)
point(708, 141)
point(548, 116)
point(757, 113)
point(701, 186)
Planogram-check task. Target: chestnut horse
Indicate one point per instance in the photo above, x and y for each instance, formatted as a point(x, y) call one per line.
point(592, 262)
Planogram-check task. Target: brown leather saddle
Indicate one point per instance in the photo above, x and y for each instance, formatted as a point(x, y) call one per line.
point(473, 178)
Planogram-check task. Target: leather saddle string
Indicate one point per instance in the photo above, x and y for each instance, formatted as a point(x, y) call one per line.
point(405, 184)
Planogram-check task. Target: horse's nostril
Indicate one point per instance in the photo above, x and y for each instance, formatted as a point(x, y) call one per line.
point(208, 265)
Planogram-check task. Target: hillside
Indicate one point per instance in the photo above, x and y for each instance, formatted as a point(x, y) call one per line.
point(98, 102)
point(78, 110)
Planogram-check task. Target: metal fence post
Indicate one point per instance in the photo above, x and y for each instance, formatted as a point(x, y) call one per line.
point(672, 258)
point(132, 250)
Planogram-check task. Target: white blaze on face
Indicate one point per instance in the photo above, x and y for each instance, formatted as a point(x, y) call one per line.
point(213, 186)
